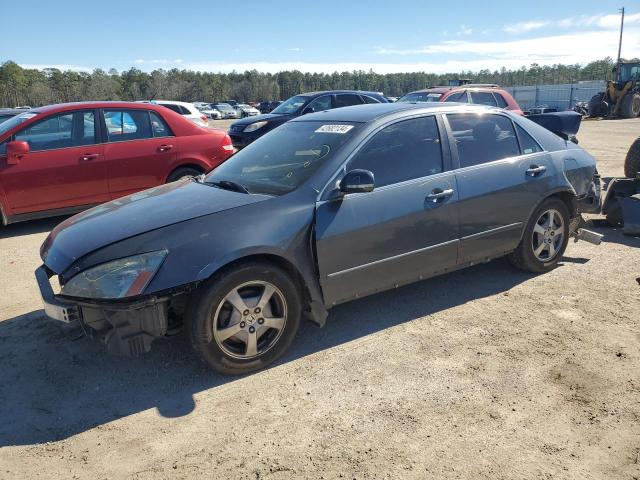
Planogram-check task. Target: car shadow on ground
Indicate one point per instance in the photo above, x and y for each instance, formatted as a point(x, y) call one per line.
point(54, 385)
point(29, 228)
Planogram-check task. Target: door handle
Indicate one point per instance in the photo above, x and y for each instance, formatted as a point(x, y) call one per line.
point(535, 170)
point(438, 194)
point(165, 148)
point(89, 156)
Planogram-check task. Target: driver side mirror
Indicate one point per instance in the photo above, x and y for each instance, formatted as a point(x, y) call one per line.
point(308, 110)
point(15, 151)
point(357, 181)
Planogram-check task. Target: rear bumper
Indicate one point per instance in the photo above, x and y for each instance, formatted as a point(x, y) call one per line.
point(125, 328)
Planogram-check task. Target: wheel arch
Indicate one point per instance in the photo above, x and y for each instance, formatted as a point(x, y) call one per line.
point(309, 291)
point(189, 164)
point(566, 195)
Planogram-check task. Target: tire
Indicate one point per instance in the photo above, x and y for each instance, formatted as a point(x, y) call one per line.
point(630, 107)
point(598, 107)
point(210, 313)
point(632, 161)
point(524, 257)
point(183, 172)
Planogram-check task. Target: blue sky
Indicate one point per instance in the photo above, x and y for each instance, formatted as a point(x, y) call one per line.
point(314, 35)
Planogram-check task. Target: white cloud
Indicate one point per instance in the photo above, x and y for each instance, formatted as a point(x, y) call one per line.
point(523, 27)
point(579, 47)
point(158, 61)
point(464, 31)
point(295, 49)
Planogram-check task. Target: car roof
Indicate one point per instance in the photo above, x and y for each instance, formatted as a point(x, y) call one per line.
point(437, 89)
point(372, 111)
point(324, 92)
point(61, 107)
point(172, 102)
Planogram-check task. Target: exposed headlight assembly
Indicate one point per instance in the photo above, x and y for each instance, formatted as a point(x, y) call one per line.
point(254, 126)
point(121, 278)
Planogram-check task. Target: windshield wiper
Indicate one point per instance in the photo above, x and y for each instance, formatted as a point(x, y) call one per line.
point(229, 185)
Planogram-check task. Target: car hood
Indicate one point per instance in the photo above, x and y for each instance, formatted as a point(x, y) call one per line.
point(133, 215)
point(264, 116)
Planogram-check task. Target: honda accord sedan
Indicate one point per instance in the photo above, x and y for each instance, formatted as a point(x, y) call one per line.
point(329, 207)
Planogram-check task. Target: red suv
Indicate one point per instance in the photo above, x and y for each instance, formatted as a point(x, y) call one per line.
point(482, 94)
point(61, 159)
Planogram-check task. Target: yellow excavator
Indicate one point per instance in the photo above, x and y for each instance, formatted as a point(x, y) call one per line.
point(621, 99)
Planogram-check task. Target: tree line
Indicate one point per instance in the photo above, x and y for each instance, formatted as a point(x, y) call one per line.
point(20, 86)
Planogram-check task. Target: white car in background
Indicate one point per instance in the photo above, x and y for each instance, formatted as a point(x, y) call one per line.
point(246, 110)
point(226, 110)
point(187, 110)
point(210, 111)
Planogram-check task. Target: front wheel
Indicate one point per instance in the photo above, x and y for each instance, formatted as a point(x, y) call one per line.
point(245, 319)
point(545, 238)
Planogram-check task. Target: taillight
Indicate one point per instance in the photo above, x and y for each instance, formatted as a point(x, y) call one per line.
point(227, 144)
point(204, 119)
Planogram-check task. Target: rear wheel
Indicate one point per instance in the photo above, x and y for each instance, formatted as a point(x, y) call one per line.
point(245, 319)
point(630, 107)
point(545, 238)
point(598, 107)
point(632, 162)
point(184, 172)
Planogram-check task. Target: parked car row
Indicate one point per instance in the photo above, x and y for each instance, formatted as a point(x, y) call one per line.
point(243, 132)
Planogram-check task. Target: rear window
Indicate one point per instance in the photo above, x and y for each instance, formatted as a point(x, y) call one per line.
point(457, 97)
point(483, 98)
point(502, 103)
point(125, 125)
point(483, 138)
point(421, 97)
point(175, 108)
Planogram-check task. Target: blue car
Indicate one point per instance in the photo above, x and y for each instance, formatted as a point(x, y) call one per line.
point(245, 131)
point(329, 207)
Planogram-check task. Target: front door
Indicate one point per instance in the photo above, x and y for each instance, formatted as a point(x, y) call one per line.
point(404, 230)
point(64, 168)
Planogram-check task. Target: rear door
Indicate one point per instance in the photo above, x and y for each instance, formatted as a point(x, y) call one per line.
point(64, 168)
point(347, 100)
point(140, 150)
point(502, 173)
point(406, 228)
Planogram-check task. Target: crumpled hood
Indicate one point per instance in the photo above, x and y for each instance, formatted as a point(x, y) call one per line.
point(133, 215)
point(265, 116)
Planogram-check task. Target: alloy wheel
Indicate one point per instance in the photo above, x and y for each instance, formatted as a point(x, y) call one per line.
point(548, 235)
point(250, 319)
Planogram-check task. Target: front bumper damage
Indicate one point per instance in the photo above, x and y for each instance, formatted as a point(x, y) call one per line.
point(124, 327)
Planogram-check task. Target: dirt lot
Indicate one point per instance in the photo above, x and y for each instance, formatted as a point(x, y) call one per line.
point(484, 373)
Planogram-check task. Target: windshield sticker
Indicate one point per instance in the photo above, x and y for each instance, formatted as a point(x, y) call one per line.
point(334, 129)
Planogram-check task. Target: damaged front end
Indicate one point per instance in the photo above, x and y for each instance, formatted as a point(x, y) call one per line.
point(126, 327)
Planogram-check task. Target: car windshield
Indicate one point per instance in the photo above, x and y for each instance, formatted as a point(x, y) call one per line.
point(421, 97)
point(15, 121)
point(223, 106)
point(283, 159)
point(291, 106)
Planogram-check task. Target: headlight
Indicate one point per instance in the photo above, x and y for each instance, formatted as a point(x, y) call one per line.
point(121, 278)
point(254, 126)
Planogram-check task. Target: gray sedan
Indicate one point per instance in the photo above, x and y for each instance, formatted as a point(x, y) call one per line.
point(326, 208)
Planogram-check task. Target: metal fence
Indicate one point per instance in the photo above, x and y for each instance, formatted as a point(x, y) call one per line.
point(563, 96)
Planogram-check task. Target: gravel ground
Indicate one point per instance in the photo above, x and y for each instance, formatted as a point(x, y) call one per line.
point(484, 373)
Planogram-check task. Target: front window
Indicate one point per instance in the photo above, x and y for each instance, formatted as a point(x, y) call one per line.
point(421, 97)
point(291, 106)
point(60, 131)
point(283, 159)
